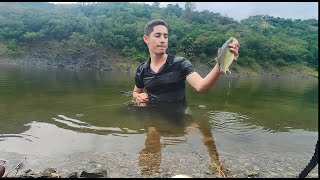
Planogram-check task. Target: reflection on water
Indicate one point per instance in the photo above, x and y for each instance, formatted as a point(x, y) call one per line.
point(59, 113)
point(66, 120)
point(150, 156)
point(174, 115)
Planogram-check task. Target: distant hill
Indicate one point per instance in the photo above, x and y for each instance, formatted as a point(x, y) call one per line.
point(78, 35)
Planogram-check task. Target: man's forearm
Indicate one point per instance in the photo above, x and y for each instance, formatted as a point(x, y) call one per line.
point(202, 84)
point(211, 78)
point(213, 75)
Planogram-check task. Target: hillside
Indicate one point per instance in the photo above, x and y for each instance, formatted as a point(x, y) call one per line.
point(107, 36)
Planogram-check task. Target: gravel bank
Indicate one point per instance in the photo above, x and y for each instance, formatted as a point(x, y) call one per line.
point(128, 165)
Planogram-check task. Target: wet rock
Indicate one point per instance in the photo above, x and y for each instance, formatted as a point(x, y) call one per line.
point(94, 173)
point(50, 172)
point(30, 174)
point(47, 172)
point(253, 173)
point(27, 171)
point(72, 175)
point(2, 170)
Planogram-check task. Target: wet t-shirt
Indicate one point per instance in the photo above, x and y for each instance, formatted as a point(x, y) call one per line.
point(168, 85)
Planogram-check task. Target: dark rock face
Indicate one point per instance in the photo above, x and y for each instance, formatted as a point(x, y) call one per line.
point(63, 55)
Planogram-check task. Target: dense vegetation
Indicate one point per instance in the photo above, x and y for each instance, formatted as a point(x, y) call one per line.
point(265, 40)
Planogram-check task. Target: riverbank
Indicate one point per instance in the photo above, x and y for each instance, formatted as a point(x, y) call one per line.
point(127, 165)
point(289, 72)
point(56, 54)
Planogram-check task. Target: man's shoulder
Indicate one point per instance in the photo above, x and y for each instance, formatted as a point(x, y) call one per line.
point(181, 60)
point(178, 59)
point(142, 66)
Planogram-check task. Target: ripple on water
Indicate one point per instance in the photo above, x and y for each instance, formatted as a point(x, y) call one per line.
point(233, 123)
point(26, 137)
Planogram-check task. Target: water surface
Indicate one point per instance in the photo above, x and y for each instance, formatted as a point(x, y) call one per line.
point(58, 113)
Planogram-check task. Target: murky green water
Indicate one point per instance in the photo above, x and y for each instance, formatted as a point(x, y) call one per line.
point(60, 113)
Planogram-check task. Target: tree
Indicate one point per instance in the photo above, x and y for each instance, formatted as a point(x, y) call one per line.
point(156, 5)
point(189, 8)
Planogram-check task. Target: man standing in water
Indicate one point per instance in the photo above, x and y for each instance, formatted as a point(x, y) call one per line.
point(163, 76)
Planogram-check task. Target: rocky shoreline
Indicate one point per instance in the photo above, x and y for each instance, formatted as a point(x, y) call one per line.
point(193, 164)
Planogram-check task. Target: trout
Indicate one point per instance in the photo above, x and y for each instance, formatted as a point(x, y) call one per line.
point(225, 56)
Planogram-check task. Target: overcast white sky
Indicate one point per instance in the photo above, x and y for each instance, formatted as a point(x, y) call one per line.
point(242, 10)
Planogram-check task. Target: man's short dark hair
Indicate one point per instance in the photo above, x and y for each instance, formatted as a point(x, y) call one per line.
point(149, 26)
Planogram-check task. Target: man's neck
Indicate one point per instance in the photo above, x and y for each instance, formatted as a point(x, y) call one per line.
point(158, 59)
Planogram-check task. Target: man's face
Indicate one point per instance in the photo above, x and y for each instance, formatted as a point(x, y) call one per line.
point(157, 41)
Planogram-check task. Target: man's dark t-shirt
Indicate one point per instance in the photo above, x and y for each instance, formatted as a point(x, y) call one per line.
point(168, 85)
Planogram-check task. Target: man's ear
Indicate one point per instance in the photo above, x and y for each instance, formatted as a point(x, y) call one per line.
point(145, 38)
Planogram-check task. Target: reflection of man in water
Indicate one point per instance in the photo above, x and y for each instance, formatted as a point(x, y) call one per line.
point(150, 156)
point(162, 120)
point(215, 165)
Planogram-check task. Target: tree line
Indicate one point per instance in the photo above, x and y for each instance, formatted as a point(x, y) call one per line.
point(197, 35)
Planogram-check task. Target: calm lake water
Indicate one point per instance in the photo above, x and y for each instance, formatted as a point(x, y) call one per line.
point(50, 116)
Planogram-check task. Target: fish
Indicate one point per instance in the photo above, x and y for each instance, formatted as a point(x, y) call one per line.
point(225, 56)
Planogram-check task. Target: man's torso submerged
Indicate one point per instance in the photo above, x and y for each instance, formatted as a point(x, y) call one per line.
point(168, 85)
